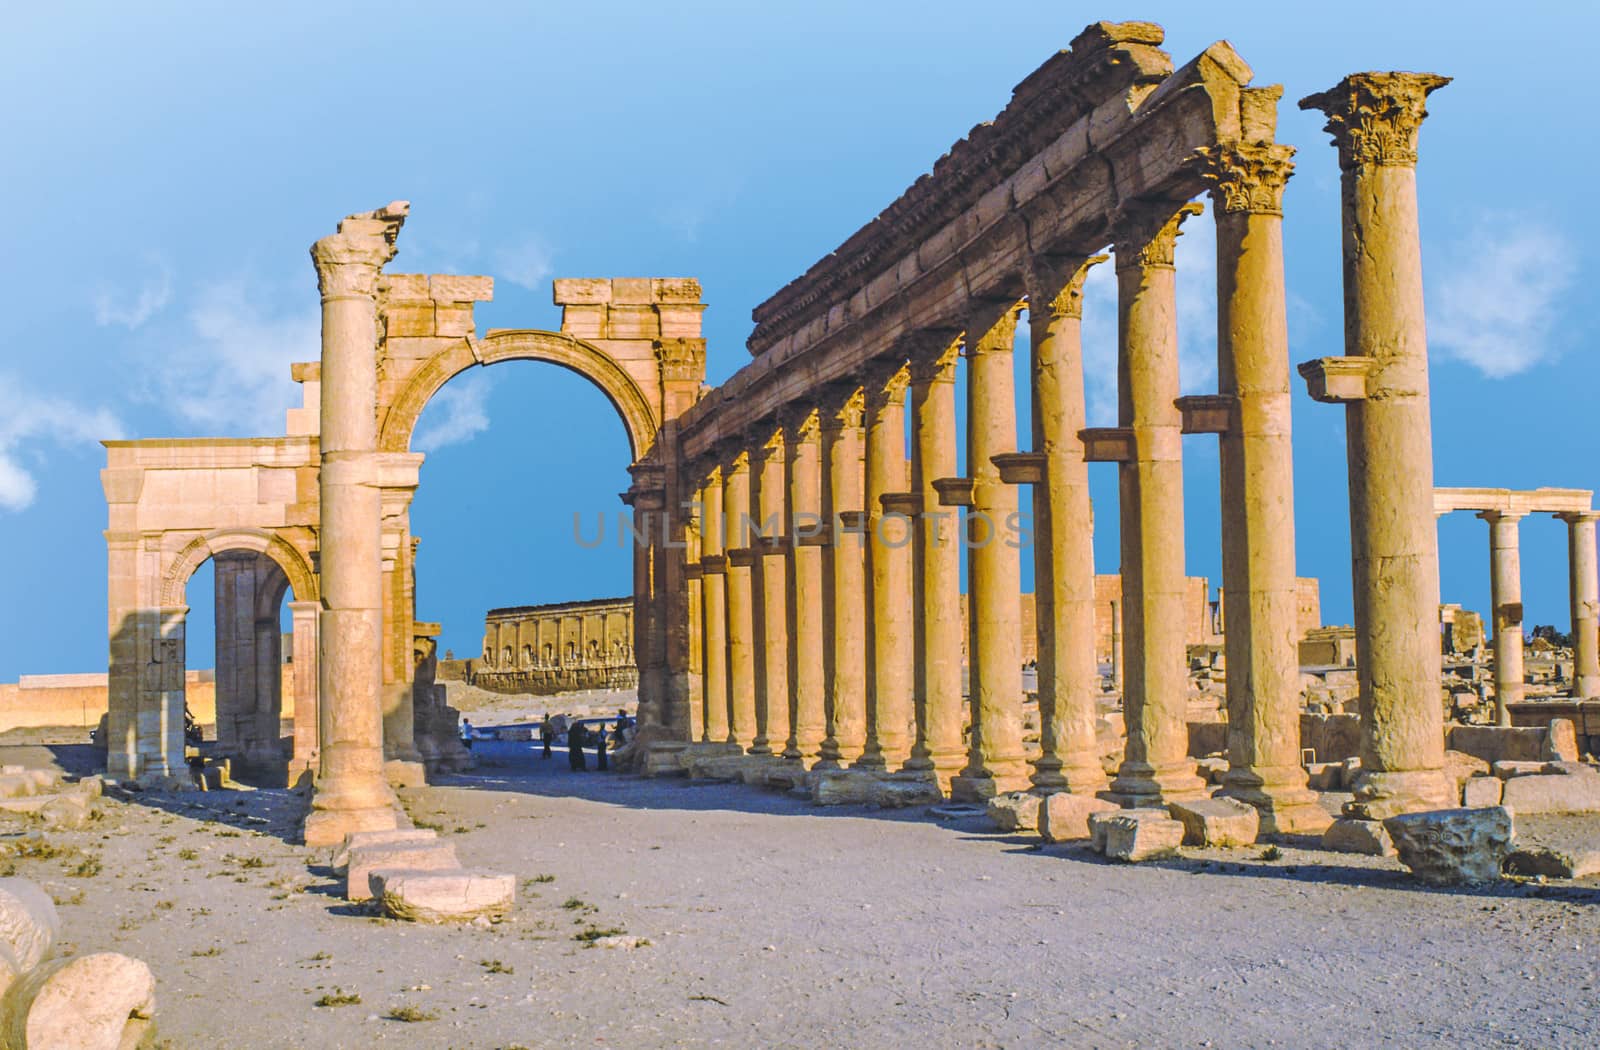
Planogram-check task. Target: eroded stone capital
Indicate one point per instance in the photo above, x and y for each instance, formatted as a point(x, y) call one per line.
point(801, 424)
point(1374, 117)
point(348, 261)
point(1247, 178)
point(1000, 335)
point(884, 382)
point(1145, 233)
point(939, 364)
point(842, 406)
point(681, 360)
point(1055, 283)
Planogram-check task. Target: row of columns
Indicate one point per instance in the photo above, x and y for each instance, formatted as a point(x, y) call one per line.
point(830, 590)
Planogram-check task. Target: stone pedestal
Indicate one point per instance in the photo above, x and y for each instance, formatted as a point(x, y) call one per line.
point(1156, 768)
point(351, 792)
point(1505, 600)
point(1374, 118)
point(844, 661)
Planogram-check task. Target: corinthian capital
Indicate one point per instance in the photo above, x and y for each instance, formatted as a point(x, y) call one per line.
point(884, 381)
point(1374, 117)
point(348, 261)
point(1145, 233)
point(1055, 283)
point(1247, 178)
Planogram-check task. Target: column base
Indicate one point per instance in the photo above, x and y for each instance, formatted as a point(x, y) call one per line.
point(871, 760)
point(983, 786)
point(1286, 805)
point(328, 827)
point(404, 773)
point(663, 758)
point(1140, 785)
point(1079, 775)
point(1380, 795)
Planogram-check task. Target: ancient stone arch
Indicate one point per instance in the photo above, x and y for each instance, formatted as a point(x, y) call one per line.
point(296, 564)
point(639, 417)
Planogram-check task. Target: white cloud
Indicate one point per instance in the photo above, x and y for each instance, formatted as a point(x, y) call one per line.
point(36, 419)
point(458, 412)
point(1493, 297)
point(527, 264)
point(230, 374)
point(132, 311)
point(1197, 322)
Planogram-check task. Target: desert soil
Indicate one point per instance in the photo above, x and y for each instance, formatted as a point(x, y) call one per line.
point(765, 922)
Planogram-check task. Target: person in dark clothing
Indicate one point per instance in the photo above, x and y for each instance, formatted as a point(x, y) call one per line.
point(600, 750)
point(576, 739)
point(545, 734)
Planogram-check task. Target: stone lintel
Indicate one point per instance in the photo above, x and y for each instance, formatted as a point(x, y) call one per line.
point(1337, 380)
point(1107, 444)
point(713, 564)
point(1020, 468)
point(1509, 503)
point(1207, 413)
point(954, 492)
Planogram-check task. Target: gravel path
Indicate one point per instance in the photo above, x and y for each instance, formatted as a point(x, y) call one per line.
point(771, 923)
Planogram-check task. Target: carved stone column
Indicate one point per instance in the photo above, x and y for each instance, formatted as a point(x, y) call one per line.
point(1063, 534)
point(890, 646)
point(804, 529)
point(1374, 119)
point(304, 616)
point(1505, 602)
point(351, 791)
point(741, 601)
point(1156, 768)
point(768, 508)
point(1584, 591)
point(844, 658)
point(995, 762)
point(1261, 623)
point(714, 610)
point(936, 569)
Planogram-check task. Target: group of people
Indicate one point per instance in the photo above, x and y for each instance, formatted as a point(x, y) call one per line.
point(605, 739)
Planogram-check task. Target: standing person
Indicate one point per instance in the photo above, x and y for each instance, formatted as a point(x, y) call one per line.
point(600, 750)
point(622, 724)
point(545, 734)
point(576, 738)
point(466, 733)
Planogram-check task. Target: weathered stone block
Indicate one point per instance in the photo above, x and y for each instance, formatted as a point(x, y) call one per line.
point(680, 320)
point(422, 856)
point(586, 290)
point(1461, 767)
point(1324, 776)
point(1217, 821)
point(1481, 791)
point(393, 837)
point(1560, 793)
point(1212, 770)
point(632, 290)
point(1560, 741)
point(1505, 769)
point(1015, 811)
point(1136, 838)
point(443, 896)
point(460, 288)
point(892, 793)
point(1368, 837)
point(102, 1001)
point(675, 290)
point(67, 812)
point(28, 921)
point(1449, 846)
point(1064, 817)
point(398, 287)
point(633, 322)
point(452, 320)
point(584, 321)
point(1497, 743)
point(1552, 863)
point(842, 787)
point(408, 320)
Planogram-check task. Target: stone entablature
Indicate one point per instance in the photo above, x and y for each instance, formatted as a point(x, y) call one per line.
point(557, 648)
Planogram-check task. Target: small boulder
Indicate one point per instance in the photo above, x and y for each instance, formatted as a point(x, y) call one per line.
point(842, 787)
point(1461, 766)
point(390, 837)
point(28, 921)
point(1553, 793)
point(1446, 847)
point(1560, 741)
point(1324, 776)
point(1348, 835)
point(1217, 821)
point(1349, 769)
point(1552, 863)
point(1064, 817)
point(1134, 838)
point(103, 1001)
point(1016, 811)
point(1482, 791)
point(443, 896)
point(419, 856)
point(68, 812)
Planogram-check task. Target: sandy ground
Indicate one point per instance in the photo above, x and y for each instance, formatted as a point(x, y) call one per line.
point(771, 923)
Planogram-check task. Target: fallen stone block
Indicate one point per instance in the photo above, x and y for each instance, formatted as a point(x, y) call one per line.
point(1507, 768)
point(841, 787)
point(93, 786)
point(1347, 835)
point(1064, 817)
point(1552, 863)
point(1560, 741)
point(1014, 811)
point(66, 812)
point(784, 776)
point(103, 1001)
point(1546, 793)
point(714, 766)
point(1217, 821)
point(1461, 766)
point(443, 896)
point(389, 837)
point(1212, 769)
point(1132, 836)
point(1324, 776)
point(420, 856)
point(1349, 769)
point(1446, 847)
point(1482, 791)
point(892, 793)
point(1571, 769)
point(28, 921)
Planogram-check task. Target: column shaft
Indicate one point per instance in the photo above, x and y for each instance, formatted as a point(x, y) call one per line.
point(771, 583)
point(890, 646)
point(844, 667)
point(305, 615)
point(1584, 591)
point(805, 590)
point(740, 598)
point(1505, 587)
point(713, 605)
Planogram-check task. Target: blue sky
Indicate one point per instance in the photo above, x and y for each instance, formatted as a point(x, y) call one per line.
point(168, 165)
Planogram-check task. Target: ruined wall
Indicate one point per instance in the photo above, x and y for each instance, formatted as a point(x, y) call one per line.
point(78, 700)
point(557, 648)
